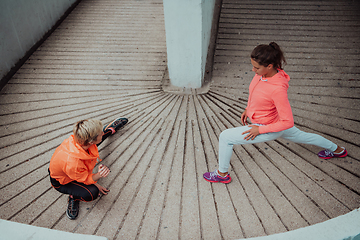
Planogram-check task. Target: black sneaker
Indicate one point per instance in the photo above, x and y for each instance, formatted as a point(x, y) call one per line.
point(115, 125)
point(72, 210)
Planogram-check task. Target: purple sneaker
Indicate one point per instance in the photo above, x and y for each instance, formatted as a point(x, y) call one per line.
point(327, 154)
point(215, 177)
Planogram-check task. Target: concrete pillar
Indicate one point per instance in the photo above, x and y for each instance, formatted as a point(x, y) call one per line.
point(188, 29)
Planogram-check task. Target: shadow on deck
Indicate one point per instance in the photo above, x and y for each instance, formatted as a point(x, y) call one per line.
point(108, 58)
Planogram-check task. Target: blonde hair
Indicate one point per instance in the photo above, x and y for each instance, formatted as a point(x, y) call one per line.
point(86, 131)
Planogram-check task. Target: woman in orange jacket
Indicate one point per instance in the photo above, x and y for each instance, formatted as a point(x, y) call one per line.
point(270, 113)
point(72, 164)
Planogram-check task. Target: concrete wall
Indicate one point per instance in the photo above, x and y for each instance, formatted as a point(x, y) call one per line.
point(188, 29)
point(344, 227)
point(22, 24)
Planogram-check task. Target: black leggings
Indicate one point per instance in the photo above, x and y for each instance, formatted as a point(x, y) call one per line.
point(79, 191)
point(106, 134)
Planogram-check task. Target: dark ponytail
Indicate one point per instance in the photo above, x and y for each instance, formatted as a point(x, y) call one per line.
point(269, 54)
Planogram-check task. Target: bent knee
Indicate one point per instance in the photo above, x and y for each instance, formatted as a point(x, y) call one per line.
point(224, 135)
point(231, 136)
point(92, 194)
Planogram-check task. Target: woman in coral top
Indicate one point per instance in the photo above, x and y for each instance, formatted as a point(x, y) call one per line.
point(269, 111)
point(72, 164)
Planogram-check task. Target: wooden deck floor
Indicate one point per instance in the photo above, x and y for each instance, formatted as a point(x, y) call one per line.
point(108, 59)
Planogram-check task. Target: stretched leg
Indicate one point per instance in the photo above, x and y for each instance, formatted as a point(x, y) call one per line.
point(296, 135)
point(105, 136)
point(331, 149)
point(112, 127)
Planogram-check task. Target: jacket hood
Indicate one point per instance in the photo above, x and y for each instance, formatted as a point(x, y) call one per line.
point(76, 151)
point(281, 78)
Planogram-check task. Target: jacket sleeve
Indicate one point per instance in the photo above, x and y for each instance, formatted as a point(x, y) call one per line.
point(283, 108)
point(80, 173)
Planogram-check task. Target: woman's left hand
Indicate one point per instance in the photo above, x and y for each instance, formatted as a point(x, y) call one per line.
point(102, 189)
point(251, 133)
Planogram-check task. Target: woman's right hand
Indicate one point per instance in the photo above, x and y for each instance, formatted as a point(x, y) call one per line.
point(244, 118)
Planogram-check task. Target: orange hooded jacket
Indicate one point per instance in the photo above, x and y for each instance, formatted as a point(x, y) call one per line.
point(268, 103)
point(70, 162)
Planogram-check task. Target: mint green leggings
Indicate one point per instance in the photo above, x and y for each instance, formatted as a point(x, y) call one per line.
point(233, 136)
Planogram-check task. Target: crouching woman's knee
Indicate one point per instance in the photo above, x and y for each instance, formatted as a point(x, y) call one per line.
point(92, 193)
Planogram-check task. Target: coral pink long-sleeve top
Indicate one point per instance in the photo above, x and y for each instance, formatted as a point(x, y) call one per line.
point(268, 103)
